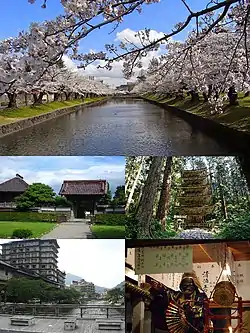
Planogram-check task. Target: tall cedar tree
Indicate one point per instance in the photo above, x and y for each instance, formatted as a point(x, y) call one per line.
point(245, 165)
point(149, 192)
point(163, 204)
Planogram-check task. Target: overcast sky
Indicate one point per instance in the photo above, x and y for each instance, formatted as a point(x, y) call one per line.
point(53, 170)
point(100, 261)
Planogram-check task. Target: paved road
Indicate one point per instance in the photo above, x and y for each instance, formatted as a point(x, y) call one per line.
point(119, 127)
point(51, 326)
point(70, 230)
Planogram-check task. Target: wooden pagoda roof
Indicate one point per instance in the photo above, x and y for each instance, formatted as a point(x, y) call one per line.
point(16, 184)
point(84, 187)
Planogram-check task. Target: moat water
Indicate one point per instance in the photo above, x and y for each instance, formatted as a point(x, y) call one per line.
point(118, 127)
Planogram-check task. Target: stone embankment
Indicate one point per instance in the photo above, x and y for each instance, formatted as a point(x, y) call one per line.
point(239, 141)
point(29, 122)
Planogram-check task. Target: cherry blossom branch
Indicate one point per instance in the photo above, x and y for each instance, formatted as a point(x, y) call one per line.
point(225, 4)
point(186, 5)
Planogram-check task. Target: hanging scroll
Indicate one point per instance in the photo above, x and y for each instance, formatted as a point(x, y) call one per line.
point(164, 259)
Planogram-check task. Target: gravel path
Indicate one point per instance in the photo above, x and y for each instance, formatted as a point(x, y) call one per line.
point(77, 230)
point(195, 234)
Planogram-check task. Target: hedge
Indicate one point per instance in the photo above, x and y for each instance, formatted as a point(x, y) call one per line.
point(28, 217)
point(22, 233)
point(110, 219)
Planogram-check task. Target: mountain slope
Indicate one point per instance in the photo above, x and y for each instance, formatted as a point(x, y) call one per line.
point(120, 285)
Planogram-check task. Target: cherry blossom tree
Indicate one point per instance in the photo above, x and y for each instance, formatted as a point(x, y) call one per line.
point(216, 65)
point(78, 23)
point(214, 58)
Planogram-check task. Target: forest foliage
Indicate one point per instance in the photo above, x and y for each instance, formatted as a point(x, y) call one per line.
point(154, 200)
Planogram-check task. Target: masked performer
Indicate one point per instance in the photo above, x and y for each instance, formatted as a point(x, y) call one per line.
point(178, 311)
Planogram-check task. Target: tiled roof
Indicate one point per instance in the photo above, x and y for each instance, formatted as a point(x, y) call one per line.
point(84, 187)
point(16, 184)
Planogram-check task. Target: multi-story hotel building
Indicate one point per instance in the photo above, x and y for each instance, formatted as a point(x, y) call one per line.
point(87, 288)
point(36, 255)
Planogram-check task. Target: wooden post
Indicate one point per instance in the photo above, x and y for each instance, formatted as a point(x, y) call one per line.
point(57, 311)
point(147, 325)
point(138, 318)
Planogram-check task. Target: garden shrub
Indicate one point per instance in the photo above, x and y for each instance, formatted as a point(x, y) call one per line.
point(22, 233)
point(157, 232)
point(131, 227)
point(110, 219)
point(28, 217)
point(237, 228)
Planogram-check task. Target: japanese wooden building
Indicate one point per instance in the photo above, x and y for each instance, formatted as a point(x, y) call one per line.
point(12, 188)
point(236, 316)
point(195, 199)
point(83, 194)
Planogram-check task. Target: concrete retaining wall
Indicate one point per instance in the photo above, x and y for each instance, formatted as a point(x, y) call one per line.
point(28, 122)
point(237, 142)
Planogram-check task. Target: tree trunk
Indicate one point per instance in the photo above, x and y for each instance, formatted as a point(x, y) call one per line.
point(205, 96)
point(12, 100)
point(38, 99)
point(67, 95)
point(146, 205)
point(131, 194)
point(56, 97)
point(179, 95)
point(210, 90)
point(35, 98)
point(222, 197)
point(232, 96)
point(194, 96)
point(26, 99)
point(245, 166)
point(211, 183)
point(163, 205)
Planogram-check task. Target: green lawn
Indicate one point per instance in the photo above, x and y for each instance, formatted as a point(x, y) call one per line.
point(237, 117)
point(11, 115)
point(108, 231)
point(37, 228)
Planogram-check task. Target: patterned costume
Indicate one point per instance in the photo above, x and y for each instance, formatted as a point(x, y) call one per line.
point(170, 307)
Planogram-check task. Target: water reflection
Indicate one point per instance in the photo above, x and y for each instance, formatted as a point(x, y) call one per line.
point(119, 127)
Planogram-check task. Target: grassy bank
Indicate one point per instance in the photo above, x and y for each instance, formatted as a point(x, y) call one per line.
point(11, 115)
point(109, 226)
point(237, 117)
point(38, 228)
point(108, 231)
